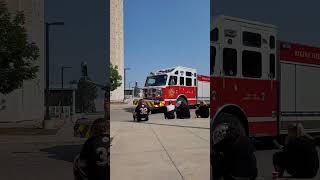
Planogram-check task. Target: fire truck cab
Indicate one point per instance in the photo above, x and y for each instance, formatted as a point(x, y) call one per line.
point(243, 68)
point(260, 83)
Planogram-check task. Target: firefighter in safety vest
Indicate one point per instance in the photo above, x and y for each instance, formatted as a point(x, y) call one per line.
point(142, 111)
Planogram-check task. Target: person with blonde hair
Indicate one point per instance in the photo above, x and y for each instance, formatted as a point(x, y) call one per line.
point(299, 156)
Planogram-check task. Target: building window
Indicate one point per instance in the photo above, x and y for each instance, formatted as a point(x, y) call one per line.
point(251, 39)
point(229, 62)
point(251, 64)
point(272, 66)
point(173, 80)
point(272, 42)
point(188, 81)
point(212, 59)
point(214, 35)
point(188, 74)
point(182, 81)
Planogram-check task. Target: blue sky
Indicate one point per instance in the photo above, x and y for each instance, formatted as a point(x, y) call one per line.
point(165, 33)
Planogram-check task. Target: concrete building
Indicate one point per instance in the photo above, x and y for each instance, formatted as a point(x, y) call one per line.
point(117, 45)
point(27, 103)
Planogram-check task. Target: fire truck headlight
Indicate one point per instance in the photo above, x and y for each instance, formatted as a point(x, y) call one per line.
point(160, 93)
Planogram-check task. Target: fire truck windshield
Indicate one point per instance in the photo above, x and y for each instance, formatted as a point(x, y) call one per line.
point(159, 80)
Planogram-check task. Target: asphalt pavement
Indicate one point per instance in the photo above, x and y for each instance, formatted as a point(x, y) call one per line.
point(158, 149)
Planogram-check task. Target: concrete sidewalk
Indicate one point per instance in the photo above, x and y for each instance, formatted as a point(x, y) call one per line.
point(158, 149)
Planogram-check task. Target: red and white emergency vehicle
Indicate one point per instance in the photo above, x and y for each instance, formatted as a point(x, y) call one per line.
point(176, 84)
point(262, 82)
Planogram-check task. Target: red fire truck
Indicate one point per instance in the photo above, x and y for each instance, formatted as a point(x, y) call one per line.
point(260, 83)
point(176, 84)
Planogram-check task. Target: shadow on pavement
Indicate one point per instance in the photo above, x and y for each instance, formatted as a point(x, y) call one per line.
point(27, 131)
point(63, 152)
point(264, 145)
point(129, 109)
point(161, 124)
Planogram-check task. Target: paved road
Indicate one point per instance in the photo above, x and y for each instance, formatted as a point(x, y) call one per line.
point(166, 149)
point(158, 149)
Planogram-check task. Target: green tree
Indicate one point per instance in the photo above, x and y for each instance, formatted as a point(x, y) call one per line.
point(17, 54)
point(115, 77)
point(86, 93)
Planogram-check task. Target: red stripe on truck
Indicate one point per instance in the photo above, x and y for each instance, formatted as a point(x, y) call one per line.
point(203, 78)
point(269, 128)
point(299, 53)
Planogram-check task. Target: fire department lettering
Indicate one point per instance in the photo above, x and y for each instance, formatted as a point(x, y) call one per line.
point(305, 54)
point(171, 93)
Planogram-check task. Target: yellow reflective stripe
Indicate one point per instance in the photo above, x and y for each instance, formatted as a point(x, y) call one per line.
point(150, 104)
point(135, 102)
point(88, 134)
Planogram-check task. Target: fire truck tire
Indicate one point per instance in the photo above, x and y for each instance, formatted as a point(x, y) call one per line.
point(230, 119)
point(182, 100)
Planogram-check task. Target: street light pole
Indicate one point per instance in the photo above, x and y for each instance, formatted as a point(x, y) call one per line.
point(47, 26)
point(62, 82)
point(62, 74)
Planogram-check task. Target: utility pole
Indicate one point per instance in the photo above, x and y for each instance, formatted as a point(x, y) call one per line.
point(62, 74)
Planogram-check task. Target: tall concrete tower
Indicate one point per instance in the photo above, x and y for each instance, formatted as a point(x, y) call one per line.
point(117, 45)
point(27, 103)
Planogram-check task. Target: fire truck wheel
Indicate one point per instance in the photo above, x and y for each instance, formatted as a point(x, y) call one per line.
point(230, 119)
point(182, 100)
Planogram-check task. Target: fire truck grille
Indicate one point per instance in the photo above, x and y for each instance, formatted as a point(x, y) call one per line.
point(151, 93)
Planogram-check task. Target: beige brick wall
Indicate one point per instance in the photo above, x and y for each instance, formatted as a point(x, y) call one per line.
point(27, 103)
point(117, 44)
